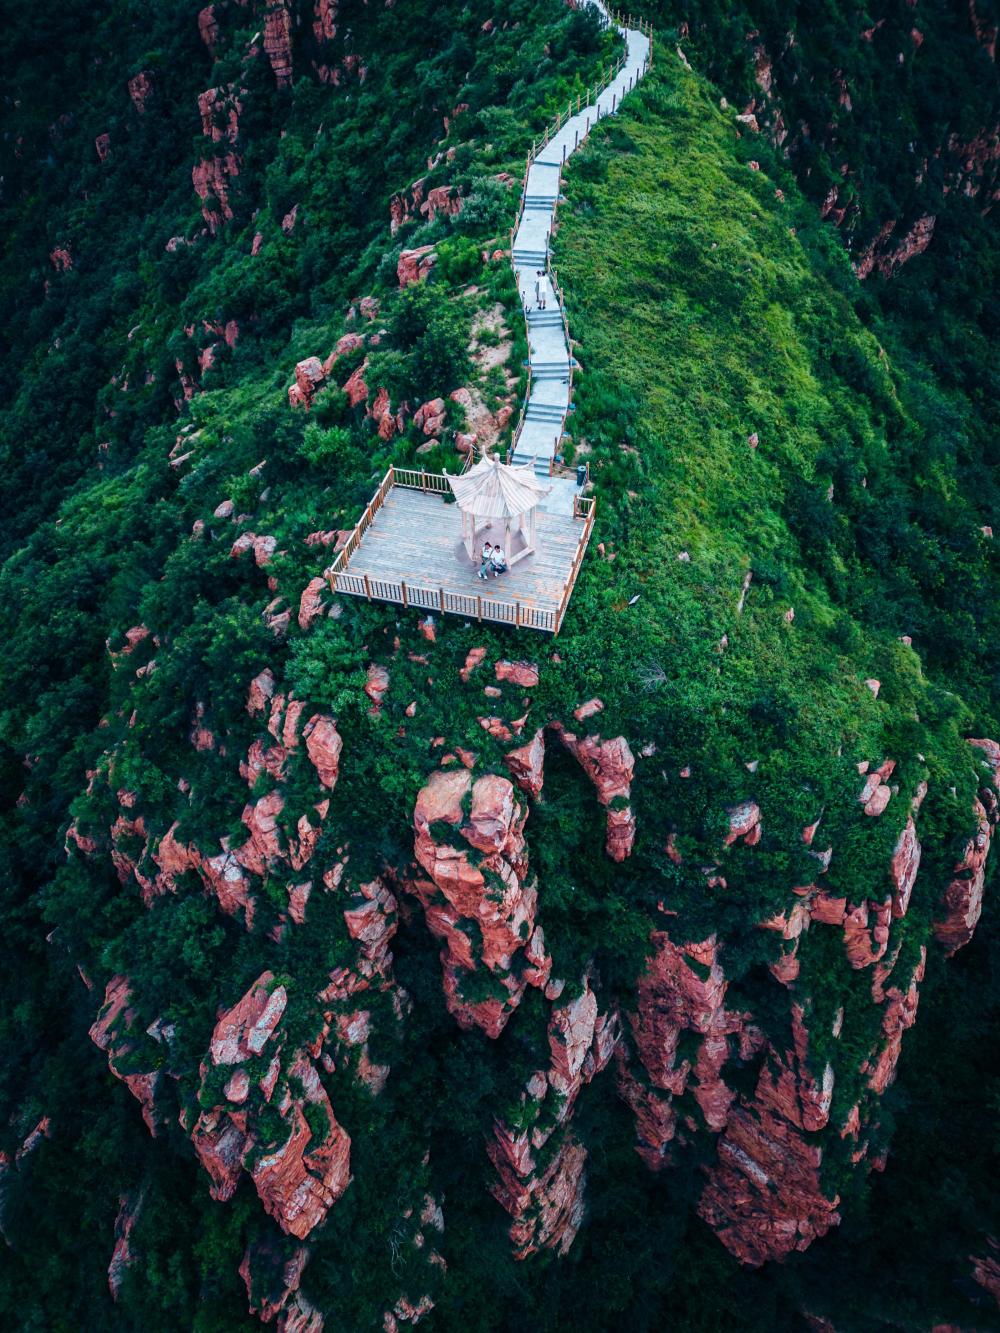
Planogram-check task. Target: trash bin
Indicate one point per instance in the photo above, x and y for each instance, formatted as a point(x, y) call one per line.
point(581, 474)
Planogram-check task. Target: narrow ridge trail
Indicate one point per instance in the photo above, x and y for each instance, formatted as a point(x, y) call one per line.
point(549, 352)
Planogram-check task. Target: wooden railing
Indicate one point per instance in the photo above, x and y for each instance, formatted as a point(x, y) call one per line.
point(471, 605)
point(415, 480)
point(581, 548)
point(515, 613)
point(592, 97)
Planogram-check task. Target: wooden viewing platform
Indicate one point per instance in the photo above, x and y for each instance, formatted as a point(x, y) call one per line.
point(407, 548)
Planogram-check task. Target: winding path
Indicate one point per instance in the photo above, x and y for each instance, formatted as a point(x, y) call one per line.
point(549, 357)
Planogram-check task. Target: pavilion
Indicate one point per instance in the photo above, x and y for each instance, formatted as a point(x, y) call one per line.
point(416, 544)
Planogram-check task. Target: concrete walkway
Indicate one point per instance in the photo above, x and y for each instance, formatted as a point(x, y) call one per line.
point(548, 350)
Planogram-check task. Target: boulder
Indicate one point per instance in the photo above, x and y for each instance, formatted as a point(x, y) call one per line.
point(311, 602)
point(323, 746)
point(242, 1032)
point(524, 674)
point(414, 265)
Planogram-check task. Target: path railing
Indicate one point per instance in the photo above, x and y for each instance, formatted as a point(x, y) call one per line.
point(593, 97)
point(519, 614)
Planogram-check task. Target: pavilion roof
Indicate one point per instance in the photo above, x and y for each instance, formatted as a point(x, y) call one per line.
point(493, 489)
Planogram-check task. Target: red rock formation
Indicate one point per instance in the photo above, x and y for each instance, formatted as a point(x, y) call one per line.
point(140, 86)
point(301, 1173)
point(549, 1215)
point(429, 417)
point(880, 254)
point(271, 1276)
point(900, 1013)
point(904, 866)
point(526, 764)
point(298, 1183)
point(261, 691)
point(324, 26)
point(355, 387)
point(524, 674)
point(866, 932)
point(377, 685)
point(547, 1204)
point(473, 659)
point(414, 265)
point(609, 765)
point(323, 746)
point(311, 602)
point(763, 1196)
point(682, 989)
point(492, 892)
point(986, 1267)
point(210, 178)
point(111, 1032)
point(220, 110)
point(963, 898)
point(876, 792)
point(278, 41)
point(122, 1256)
point(243, 1031)
point(208, 27)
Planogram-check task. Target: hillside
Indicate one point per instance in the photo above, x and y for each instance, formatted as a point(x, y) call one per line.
point(365, 967)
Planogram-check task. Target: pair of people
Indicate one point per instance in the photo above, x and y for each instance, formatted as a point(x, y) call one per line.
point(492, 560)
point(539, 289)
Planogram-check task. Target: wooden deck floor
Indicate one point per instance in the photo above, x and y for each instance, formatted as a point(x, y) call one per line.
point(415, 538)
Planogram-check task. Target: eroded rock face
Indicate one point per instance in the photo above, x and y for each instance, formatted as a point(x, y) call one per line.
point(542, 1189)
point(962, 902)
point(113, 1031)
point(299, 1169)
point(683, 990)
point(764, 1196)
point(122, 1257)
point(609, 764)
point(278, 41)
point(323, 746)
point(414, 265)
point(492, 890)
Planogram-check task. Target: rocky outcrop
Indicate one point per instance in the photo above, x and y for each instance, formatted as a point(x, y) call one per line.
point(299, 1163)
point(416, 201)
point(887, 257)
point(414, 265)
point(478, 899)
point(208, 27)
point(962, 902)
point(763, 1196)
point(311, 602)
point(683, 990)
point(899, 1014)
point(278, 41)
point(122, 1256)
point(140, 88)
point(323, 746)
point(309, 376)
point(272, 1271)
point(430, 417)
point(210, 178)
point(113, 1032)
point(539, 1185)
point(609, 764)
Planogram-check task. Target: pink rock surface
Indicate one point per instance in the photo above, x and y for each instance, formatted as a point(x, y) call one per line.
point(243, 1031)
